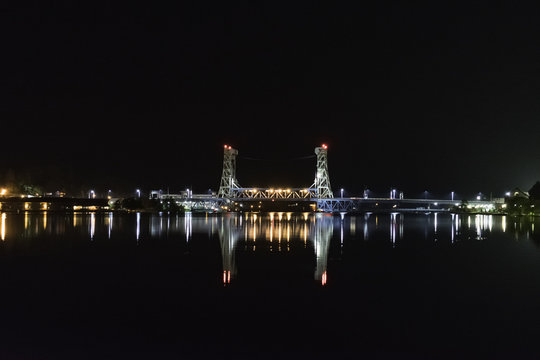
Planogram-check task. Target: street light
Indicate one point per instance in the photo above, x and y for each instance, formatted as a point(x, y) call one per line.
point(138, 193)
point(452, 194)
point(341, 192)
point(92, 194)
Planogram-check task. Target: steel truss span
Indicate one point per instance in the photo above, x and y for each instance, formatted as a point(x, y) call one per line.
point(271, 193)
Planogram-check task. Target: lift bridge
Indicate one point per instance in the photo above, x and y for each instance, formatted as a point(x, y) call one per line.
point(230, 191)
point(319, 193)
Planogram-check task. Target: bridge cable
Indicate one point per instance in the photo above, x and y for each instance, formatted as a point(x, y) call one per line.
point(279, 160)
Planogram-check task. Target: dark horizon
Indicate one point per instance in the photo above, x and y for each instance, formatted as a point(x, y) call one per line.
point(413, 96)
point(253, 170)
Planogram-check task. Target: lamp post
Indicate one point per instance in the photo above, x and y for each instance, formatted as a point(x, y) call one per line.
point(138, 191)
point(342, 193)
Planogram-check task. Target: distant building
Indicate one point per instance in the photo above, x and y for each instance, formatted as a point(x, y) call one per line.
point(52, 204)
point(517, 193)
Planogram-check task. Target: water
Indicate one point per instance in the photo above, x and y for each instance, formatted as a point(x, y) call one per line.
point(271, 285)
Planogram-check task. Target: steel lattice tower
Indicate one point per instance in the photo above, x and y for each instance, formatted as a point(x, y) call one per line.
point(228, 177)
point(322, 178)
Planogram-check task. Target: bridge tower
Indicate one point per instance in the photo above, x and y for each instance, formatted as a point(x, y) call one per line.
point(228, 177)
point(322, 178)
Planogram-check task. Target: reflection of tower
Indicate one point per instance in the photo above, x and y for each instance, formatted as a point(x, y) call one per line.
point(188, 225)
point(228, 177)
point(322, 234)
point(228, 237)
point(366, 229)
point(322, 178)
point(393, 228)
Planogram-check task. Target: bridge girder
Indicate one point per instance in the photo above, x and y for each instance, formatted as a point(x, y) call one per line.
point(270, 193)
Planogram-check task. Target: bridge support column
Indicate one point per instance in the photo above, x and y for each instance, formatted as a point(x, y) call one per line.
point(322, 177)
point(228, 177)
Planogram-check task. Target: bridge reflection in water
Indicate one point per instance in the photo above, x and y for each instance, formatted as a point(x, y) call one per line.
point(278, 230)
point(260, 232)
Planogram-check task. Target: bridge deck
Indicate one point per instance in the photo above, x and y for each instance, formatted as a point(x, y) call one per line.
point(206, 202)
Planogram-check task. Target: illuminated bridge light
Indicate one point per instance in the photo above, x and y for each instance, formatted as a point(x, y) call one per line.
point(3, 227)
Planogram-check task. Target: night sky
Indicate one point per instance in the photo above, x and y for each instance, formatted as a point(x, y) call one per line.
point(415, 95)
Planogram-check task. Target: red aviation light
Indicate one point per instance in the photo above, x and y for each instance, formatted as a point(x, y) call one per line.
point(225, 146)
point(324, 146)
point(226, 277)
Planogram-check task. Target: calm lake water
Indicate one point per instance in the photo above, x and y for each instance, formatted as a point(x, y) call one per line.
point(269, 285)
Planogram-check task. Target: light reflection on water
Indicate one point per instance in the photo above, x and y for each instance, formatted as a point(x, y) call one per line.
point(276, 232)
